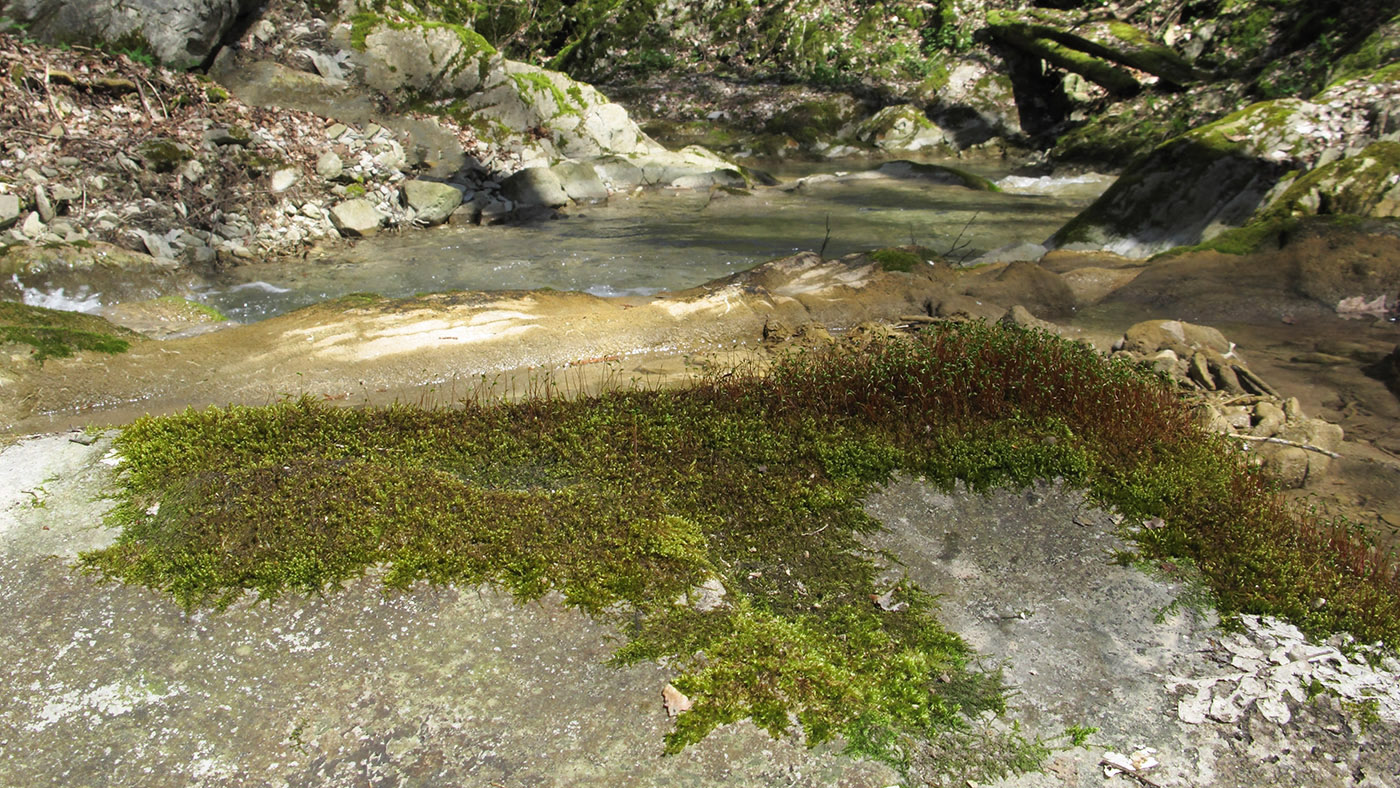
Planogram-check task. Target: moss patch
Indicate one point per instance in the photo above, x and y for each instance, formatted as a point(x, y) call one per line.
point(902, 259)
point(626, 502)
point(53, 333)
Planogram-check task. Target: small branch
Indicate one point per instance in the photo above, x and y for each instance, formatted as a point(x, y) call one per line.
point(822, 252)
point(1283, 442)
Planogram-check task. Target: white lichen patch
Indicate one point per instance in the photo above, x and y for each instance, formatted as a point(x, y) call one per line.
point(1273, 661)
point(99, 704)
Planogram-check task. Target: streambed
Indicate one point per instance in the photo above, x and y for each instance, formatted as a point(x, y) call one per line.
point(656, 241)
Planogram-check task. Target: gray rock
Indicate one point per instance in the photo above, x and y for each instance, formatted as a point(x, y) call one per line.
point(535, 186)
point(357, 218)
point(42, 203)
point(9, 210)
point(618, 173)
point(179, 33)
point(580, 182)
point(65, 194)
point(285, 179)
point(33, 225)
point(228, 135)
point(1025, 252)
point(329, 166)
point(431, 201)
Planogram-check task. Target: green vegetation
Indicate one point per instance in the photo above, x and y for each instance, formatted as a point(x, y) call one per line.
point(900, 259)
point(54, 333)
point(626, 502)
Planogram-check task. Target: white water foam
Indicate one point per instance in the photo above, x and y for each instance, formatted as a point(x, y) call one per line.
point(1052, 184)
point(83, 300)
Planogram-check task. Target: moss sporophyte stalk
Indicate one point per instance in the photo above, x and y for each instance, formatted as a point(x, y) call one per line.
point(626, 502)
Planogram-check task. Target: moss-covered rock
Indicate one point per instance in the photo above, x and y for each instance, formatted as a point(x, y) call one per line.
point(53, 333)
point(901, 128)
point(1367, 184)
point(1225, 174)
point(450, 69)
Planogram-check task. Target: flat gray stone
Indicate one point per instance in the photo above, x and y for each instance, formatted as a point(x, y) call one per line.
point(357, 218)
point(433, 202)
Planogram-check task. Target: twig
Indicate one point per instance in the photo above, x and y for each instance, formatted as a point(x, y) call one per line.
point(822, 252)
point(954, 247)
point(814, 533)
point(1283, 442)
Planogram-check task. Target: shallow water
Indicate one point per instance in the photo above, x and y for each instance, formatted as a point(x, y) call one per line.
point(668, 240)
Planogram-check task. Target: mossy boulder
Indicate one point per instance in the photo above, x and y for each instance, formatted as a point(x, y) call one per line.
point(1367, 184)
point(1226, 174)
point(449, 68)
point(813, 121)
point(901, 128)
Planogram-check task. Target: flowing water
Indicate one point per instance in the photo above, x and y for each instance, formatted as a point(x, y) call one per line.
point(656, 241)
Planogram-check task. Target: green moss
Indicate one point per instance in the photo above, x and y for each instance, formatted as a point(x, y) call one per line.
point(538, 83)
point(1379, 49)
point(624, 502)
point(54, 333)
point(809, 121)
point(902, 259)
point(1353, 185)
point(215, 94)
point(203, 312)
point(163, 155)
point(1031, 38)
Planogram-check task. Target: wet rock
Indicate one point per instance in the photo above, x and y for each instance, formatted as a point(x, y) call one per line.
point(431, 201)
point(1181, 337)
point(357, 218)
point(1020, 316)
point(535, 186)
point(618, 173)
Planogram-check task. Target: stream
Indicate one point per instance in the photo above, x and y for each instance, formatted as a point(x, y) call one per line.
point(668, 240)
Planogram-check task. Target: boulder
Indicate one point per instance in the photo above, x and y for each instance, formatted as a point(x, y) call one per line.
point(1150, 336)
point(357, 218)
point(900, 128)
point(178, 33)
point(431, 201)
point(535, 186)
point(455, 65)
point(976, 103)
point(580, 181)
point(1227, 174)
